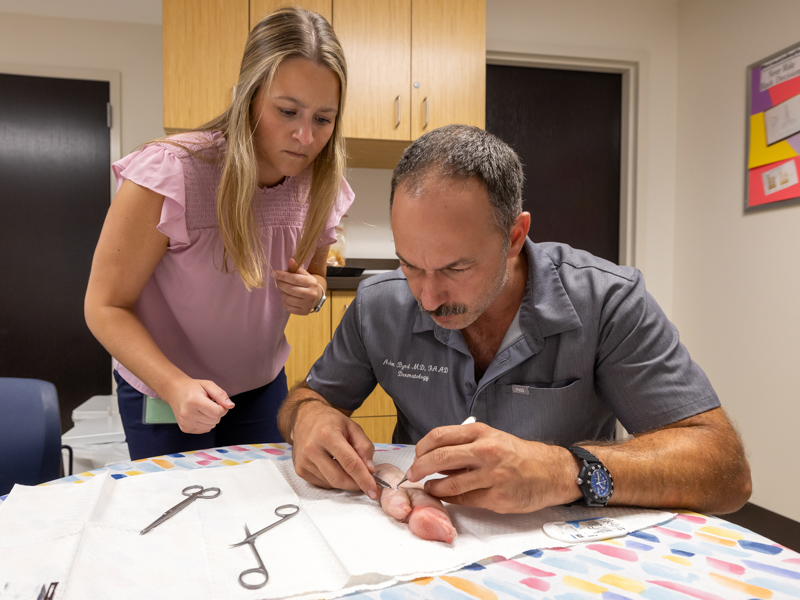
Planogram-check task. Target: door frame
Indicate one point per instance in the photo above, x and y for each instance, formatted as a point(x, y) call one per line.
point(114, 99)
point(631, 71)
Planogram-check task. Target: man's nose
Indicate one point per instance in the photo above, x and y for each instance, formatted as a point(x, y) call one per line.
point(432, 295)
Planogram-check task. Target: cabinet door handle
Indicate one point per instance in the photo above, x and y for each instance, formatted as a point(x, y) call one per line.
point(426, 113)
point(398, 111)
point(233, 95)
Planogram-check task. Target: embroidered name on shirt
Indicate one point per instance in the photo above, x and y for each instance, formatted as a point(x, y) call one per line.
point(418, 370)
point(520, 389)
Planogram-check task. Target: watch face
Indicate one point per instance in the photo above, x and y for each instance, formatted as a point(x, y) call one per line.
point(601, 485)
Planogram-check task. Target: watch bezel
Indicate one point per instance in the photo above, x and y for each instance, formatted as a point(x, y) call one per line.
point(588, 486)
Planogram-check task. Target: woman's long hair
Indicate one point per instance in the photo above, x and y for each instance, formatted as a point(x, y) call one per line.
point(285, 33)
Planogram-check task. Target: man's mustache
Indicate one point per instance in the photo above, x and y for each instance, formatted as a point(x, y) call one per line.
point(445, 310)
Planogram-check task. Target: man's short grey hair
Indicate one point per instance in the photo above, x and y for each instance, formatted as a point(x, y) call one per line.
point(464, 152)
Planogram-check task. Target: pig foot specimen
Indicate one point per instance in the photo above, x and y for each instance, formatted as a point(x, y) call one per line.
point(426, 516)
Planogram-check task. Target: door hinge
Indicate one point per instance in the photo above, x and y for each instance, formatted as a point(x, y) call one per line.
point(108, 114)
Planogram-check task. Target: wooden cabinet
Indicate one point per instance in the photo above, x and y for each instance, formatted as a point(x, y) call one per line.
point(413, 65)
point(448, 64)
point(376, 38)
point(203, 46)
point(308, 337)
point(261, 8)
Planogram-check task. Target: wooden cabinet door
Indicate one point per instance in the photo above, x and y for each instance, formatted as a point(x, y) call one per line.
point(203, 46)
point(377, 416)
point(376, 37)
point(448, 62)
point(261, 8)
point(307, 337)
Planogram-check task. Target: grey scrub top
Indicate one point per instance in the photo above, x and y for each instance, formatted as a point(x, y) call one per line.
point(588, 346)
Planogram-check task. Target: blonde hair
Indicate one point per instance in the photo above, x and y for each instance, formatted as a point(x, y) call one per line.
point(286, 33)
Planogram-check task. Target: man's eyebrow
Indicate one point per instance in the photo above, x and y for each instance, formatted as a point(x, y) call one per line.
point(301, 104)
point(455, 263)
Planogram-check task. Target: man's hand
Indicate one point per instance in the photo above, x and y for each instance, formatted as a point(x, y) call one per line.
point(329, 449)
point(300, 290)
point(697, 463)
point(491, 469)
point(198, 404)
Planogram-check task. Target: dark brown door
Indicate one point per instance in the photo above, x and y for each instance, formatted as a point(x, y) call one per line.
point(565, 125)
point(54, 194)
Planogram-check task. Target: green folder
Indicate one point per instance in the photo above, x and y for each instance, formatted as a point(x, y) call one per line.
point(156, 411)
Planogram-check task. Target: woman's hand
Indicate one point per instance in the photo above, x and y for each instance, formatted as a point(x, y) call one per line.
point(300, 290)
point(198, 404)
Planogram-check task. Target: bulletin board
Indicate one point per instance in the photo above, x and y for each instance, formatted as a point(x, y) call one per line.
point(773, 129)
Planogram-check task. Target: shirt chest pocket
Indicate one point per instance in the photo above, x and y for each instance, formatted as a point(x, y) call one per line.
point(527, 389)
point(560, 412)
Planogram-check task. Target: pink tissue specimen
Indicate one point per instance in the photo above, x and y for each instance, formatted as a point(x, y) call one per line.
point(426, 516)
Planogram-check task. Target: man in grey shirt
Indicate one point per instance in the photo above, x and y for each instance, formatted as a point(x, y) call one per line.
point(546, 346)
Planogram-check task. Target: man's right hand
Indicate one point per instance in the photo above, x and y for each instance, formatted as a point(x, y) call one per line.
point(330, 450)
point(198, 405)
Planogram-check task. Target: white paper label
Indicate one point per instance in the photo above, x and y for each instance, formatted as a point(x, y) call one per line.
point(585, 530)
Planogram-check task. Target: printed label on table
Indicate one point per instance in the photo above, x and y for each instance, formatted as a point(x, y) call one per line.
point(585, 530)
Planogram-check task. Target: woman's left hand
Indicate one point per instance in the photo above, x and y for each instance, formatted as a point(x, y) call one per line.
point(300, 290)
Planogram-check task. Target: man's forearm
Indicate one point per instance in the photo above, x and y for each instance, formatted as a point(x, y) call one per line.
point(698, 465)
point(291, 407)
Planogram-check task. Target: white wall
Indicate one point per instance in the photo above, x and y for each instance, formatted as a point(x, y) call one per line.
point(133, 50)
point(737, 276)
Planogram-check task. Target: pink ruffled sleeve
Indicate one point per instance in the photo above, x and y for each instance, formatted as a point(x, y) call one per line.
point(157, 169)
point(343, 202)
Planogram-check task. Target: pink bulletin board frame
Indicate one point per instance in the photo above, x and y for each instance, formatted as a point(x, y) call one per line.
point(773, 130)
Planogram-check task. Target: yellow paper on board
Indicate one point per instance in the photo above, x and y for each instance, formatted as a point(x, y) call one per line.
point(760, 153)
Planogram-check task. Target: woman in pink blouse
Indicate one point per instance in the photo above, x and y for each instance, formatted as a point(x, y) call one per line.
point(216, 236)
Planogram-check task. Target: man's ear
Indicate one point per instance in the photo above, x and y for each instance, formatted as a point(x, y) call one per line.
point(518, 233)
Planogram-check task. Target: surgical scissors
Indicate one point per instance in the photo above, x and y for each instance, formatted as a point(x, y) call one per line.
point(285, 511)
point(193, 492)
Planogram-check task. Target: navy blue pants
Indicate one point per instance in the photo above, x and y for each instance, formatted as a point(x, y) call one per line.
point(252, 421)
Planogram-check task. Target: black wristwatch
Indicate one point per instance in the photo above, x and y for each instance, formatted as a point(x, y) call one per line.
point(320, 303)
point(594, 480)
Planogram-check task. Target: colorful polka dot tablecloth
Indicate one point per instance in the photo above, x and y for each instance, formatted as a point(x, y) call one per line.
point(690, 557)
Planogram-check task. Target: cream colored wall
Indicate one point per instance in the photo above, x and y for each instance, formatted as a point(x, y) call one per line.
point(737, 276)
point(133, 50)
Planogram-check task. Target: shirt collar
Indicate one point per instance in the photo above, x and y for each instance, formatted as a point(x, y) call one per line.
point(546, 308)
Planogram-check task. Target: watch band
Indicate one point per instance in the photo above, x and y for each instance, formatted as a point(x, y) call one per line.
point(321, 300)
point(584, 454)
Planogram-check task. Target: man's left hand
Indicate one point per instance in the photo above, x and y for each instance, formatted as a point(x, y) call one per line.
point(491, 469)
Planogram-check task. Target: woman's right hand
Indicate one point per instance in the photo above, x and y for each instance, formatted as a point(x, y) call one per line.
point(198, 404)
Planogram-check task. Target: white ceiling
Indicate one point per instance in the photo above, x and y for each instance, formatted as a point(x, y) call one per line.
point(128, 11)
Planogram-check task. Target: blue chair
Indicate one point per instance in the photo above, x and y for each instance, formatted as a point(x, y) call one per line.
point(30, 432)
